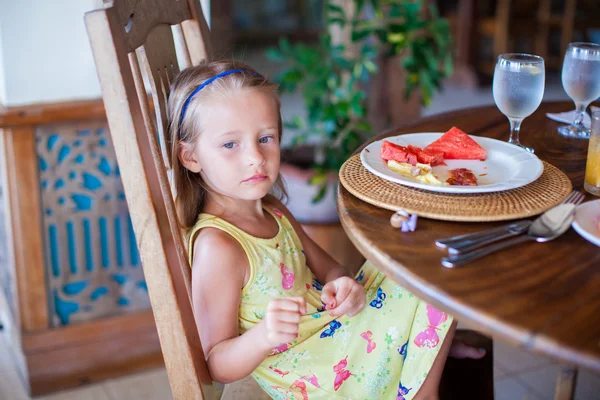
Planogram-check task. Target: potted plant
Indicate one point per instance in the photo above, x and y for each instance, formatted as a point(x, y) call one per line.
point(334, 75)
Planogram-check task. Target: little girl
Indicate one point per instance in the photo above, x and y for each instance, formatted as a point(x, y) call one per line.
point(267, 300)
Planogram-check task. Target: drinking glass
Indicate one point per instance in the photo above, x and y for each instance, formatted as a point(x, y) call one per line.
point(581, 81)
point(518, 89)
point(592, 168)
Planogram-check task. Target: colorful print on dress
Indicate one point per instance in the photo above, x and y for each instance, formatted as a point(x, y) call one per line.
point(298, 388)
point(312, 379)
point(403, 351)
point(277, 371)
point(341, 373)
point(333, 326)
point(402, 391)
point(296, 392)
point(378, 301)
point(368, 335)
point(360, 276)
point(287, 279)
point(317, 285)
point(277, 213)
point(429, 337)
point(280, 349)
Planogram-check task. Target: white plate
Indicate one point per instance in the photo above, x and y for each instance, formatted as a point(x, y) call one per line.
point(506, 167)
point(587, 218)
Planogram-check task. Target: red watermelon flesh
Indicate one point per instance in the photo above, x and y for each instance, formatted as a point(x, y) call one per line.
point(457, 145)
point(427, 157)
point(391, 151)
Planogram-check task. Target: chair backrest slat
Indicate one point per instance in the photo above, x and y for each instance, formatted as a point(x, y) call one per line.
point(139, 17)
point(158, 59)
point(130, 38)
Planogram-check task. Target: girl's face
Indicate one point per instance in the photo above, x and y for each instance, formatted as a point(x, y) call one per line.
point(237, 153)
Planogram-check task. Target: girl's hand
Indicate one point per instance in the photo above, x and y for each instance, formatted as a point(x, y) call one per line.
point(282, 319)
point(343, 296)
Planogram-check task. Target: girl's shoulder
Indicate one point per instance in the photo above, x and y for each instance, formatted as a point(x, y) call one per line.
point(212, 244)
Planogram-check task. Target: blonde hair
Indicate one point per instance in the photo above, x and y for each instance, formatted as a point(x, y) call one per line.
point(191, 190)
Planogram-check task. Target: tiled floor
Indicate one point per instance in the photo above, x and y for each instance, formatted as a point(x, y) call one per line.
point(518, 376)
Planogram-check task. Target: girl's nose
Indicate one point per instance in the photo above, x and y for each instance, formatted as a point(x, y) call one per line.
point(255, 156)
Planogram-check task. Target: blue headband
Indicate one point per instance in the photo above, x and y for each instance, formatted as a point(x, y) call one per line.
point(207, 82)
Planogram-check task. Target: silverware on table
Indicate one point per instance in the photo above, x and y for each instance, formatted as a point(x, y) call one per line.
point(548, 226)
point(472, 241)
point(460, 240)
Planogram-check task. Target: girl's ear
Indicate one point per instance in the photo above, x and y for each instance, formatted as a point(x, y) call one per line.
point(187, 157)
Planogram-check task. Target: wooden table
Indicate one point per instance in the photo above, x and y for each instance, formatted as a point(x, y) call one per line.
point(543, 297)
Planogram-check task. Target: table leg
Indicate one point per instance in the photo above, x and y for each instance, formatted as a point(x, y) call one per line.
point(565, 383)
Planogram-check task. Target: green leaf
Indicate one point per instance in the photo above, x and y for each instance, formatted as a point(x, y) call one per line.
point(319, 178)
point(320, 194)
point(360, 35)
point(448, 65)
point(285, 46)
point(340, 21)
point(335, 9)
point(274, 54)
point(298, 122)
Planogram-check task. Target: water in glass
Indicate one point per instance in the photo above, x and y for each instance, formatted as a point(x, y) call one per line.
point(581, 81)
point(518, 89)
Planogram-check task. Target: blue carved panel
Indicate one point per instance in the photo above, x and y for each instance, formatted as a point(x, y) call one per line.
point(93, 266)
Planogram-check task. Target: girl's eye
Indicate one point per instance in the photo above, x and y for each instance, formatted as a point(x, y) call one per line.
point(265, 139)
point(229, 145)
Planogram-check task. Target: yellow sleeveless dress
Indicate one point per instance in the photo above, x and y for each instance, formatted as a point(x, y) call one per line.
point(385, 352)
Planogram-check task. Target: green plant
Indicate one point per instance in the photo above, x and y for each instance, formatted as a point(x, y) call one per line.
point(331, 75)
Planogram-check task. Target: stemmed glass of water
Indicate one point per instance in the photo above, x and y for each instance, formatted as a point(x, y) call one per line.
point(518, 89)
point(581, 80)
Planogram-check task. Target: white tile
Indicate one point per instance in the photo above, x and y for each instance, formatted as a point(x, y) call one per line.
point(588, 385)
point(91, 392)
point(513, 360)
point(498, 373)
point(11, 385)
point(512, 389)
point(246, 388)
point(543, 383)
point(151, 385)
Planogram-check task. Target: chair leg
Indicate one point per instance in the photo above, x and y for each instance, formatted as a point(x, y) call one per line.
point(565, 383)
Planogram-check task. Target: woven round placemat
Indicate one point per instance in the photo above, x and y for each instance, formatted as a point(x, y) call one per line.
point(550, 189)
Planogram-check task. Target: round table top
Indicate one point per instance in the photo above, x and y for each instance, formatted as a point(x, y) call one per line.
point(544, 297)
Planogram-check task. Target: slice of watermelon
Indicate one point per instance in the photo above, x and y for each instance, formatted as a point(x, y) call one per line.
point(457, 145)
point(392, 151)
point(427, 157)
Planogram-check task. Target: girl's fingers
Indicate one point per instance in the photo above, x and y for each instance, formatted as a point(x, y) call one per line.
point(352, 305)
point(289, 317)
point(328, 296)
point(343, 291)
point(286, 327)
point(300, 302)
point(294, 304)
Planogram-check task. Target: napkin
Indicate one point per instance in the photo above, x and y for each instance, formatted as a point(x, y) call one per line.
point(569, 116)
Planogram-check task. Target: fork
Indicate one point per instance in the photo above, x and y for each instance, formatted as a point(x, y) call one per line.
point(466, 243)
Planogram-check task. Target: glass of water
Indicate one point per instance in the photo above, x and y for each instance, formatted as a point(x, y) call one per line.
point(518, 89)
point(581, 81)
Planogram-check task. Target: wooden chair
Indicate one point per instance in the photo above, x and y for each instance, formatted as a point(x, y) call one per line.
point(127, 37)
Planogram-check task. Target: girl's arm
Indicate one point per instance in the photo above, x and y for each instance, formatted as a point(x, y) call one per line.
point(218, 275)
point(322, 265)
